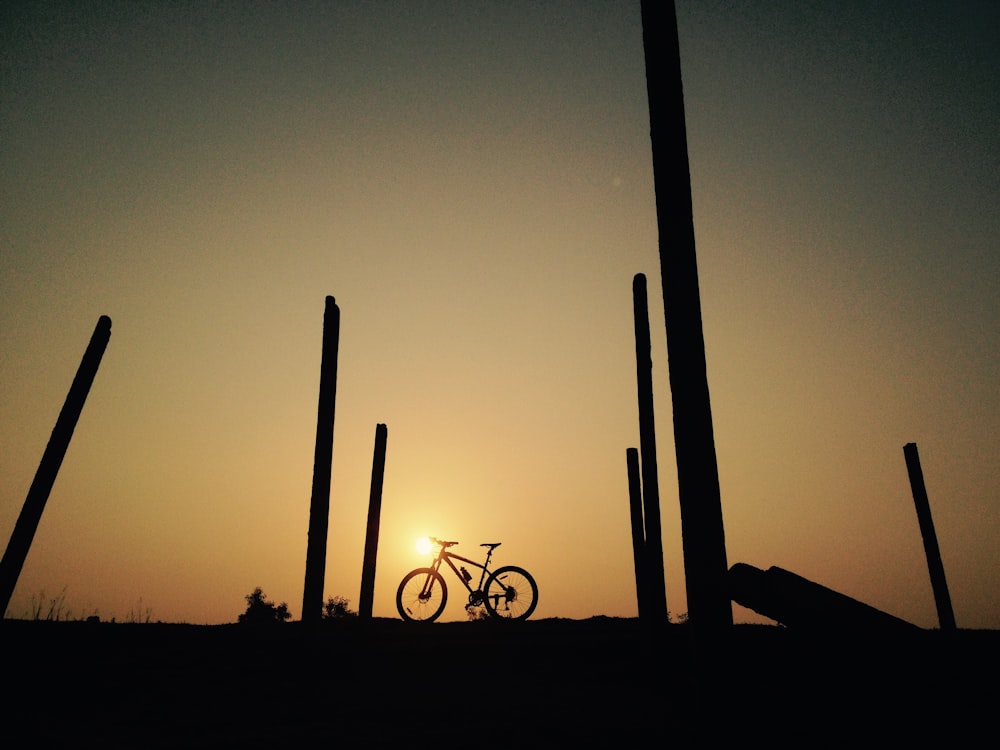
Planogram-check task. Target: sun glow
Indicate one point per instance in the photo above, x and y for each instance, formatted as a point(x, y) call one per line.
point(424, 545)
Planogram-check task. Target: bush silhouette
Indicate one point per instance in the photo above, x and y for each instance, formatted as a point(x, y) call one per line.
point(260, 610)
point(477, 614)
point(336, 609)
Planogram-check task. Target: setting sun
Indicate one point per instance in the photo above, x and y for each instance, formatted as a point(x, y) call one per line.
point(424, 545)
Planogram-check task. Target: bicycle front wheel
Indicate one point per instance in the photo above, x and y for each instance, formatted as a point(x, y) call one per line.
point(511, 593)
point(421, 596)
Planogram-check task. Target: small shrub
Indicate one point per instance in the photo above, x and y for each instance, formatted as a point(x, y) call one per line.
point(336, 608)
point(260, 610)
point(477, 614)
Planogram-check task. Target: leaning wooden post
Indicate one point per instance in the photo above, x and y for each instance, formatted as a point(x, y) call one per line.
point(946, 616)
point(374, 515)
point(638, 536)
point(704, 542)
point(653, 578)
point(319, 508)
point(45, 477)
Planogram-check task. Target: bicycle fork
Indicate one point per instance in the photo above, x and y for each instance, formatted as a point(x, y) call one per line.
point(425, 592)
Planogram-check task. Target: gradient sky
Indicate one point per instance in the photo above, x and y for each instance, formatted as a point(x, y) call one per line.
point(472, 182)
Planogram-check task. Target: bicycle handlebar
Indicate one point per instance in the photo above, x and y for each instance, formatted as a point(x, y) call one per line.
point(435, 540)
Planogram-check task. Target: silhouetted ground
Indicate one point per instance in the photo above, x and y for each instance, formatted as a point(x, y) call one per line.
point(547, 683)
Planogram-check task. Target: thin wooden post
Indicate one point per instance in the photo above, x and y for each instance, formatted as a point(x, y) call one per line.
point(704, 542)
point(374, 515)
point(38, 494)
point(653, 577)
point(638, 535)
point(946, 616)
point(319, 508)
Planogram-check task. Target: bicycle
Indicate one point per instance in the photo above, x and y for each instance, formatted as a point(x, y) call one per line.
point(509, 592)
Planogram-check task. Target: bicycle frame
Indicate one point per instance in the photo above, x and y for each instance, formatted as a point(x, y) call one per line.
point(444, 555)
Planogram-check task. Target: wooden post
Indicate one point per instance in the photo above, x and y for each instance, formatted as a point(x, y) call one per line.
point(946, 616)
point(38, 494)
point(374, 514)
point(653, 577)
point(638, 535)
point(319, 508)
point(704, 542)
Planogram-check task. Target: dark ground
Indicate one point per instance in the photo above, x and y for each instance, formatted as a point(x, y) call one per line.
point(546, 683)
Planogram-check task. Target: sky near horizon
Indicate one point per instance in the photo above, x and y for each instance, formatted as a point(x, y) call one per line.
point(472, 182)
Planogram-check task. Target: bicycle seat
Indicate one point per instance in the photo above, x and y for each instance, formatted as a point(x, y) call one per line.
point(491, 545)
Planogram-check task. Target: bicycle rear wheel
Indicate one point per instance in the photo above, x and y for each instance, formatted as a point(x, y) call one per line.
point(421, 595)
point(511, 593)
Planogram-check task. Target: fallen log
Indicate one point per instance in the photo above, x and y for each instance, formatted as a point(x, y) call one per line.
point(797, 602)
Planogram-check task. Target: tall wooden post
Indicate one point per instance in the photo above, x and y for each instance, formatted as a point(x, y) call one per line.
point(653, 577)
point(319, 508)
point(704, 543)
point(374, 514)
point(45, 477)
point(638, 535)
point(946, 616)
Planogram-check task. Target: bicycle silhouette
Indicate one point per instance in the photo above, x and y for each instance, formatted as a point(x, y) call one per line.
point(509, 592)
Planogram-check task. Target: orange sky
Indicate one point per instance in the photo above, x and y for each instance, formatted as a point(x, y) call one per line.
point(473, 183)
